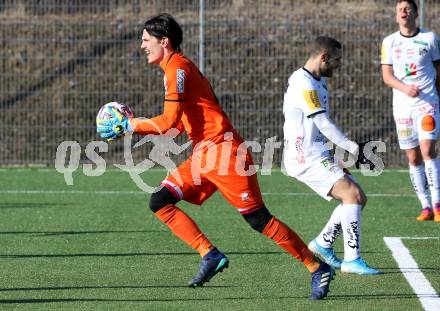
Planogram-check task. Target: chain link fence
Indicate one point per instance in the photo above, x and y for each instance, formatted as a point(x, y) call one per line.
point(62, 60)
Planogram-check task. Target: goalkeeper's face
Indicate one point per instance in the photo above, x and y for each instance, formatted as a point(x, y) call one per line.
point(153, 48)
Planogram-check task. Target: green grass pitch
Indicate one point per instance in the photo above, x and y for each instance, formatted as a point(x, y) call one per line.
point(96, 246)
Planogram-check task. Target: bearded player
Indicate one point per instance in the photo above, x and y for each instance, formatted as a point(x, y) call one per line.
point(306, 157)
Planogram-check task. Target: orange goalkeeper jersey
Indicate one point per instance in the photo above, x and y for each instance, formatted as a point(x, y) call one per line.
point(202, 118)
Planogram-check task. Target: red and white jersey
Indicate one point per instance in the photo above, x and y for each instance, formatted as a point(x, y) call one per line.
point(412, 61)
point(305, 97)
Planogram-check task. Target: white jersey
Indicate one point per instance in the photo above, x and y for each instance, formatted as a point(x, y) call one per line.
point(412, 60)
point(303, 142)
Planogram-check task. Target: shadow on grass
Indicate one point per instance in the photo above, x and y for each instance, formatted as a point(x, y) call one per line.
point(305, 298)
point(103, 287)
point(55, 233)
point(127, 254)
point(24, 301)
point(30, 205)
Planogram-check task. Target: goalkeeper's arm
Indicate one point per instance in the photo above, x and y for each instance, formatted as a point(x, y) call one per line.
point(170, 118)
point(333, 133)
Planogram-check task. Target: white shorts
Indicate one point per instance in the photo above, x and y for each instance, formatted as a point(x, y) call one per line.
point(320, 176)
point(414, 123)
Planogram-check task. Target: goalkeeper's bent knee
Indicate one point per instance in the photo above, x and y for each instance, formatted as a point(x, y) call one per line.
point(161, 198)
point(258, 219)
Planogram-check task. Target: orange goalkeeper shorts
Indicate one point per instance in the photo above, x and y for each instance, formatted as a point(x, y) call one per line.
point(226, 166)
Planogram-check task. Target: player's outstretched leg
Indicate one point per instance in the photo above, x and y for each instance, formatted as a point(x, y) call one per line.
point(321, 279)
point(326, 254)
point(162, 204)
point(211, 264)
point(262, 221)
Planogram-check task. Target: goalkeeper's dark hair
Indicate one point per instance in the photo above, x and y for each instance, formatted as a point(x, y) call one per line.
point(324, 44)
point(164, 25)
point(411, 2)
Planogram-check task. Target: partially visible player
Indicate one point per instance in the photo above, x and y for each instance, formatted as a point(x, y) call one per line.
point(411, 66)
point(191, 103)
point(306, 157)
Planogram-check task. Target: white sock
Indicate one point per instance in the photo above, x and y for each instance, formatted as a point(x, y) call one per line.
point(432, 176)
point(351, 228)
point(420, 184)
point(331, 230)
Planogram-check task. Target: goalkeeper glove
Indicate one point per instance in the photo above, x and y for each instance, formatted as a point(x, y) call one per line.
point(114, 127)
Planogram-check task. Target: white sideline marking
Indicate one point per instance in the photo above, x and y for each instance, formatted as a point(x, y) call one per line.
point(425, 292)
point(296, 194)
point(419, 238)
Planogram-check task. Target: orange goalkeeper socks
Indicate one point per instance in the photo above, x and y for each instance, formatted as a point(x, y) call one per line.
point(291, 242)
point(188, 231)
point(184, 228)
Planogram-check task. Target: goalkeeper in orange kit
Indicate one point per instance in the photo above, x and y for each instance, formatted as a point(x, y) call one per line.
point(220, 159)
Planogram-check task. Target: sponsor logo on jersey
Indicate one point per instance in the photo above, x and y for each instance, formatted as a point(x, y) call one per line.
point(404, 133)
point(426, 109)
point(404, 121)
point(300, 150)
point(165, 84)
point(410, 53)
point(423, 51)
point(312, 99)
point(428, 123)
point(410, 70)
point(327, 162)
point(180, 76)
point(420, 42)
point(397, 53)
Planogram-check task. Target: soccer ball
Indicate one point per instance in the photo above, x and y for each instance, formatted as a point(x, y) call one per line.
point(105, 113)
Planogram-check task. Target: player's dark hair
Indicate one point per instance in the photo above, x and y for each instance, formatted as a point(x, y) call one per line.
point(164, 25)
point(324, 44)
point(411, 2)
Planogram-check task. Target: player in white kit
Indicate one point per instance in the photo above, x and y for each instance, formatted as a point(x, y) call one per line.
point(306, 130)
point(410, 61)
